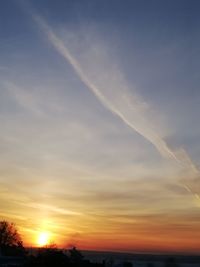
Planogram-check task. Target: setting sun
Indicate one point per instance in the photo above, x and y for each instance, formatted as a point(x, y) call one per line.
point(43, 239)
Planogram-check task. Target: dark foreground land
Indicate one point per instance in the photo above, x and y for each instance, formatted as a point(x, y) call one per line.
point(143, 260)
point(53, 257)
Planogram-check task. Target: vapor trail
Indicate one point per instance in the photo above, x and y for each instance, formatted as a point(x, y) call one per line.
point(129, 113)
point(124, 106)
point(140, 125)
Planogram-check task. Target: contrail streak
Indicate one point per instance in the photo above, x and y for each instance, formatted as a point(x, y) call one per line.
point(140, 128)
point(120, 106)
point(138, 122)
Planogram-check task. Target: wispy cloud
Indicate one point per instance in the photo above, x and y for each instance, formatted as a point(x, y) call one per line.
point(51, 208)
point(120, 102)
point(113, 92)
point(24, 98)
point(107, 83)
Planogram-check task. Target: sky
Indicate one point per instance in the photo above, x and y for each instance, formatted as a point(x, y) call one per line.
point(99, 123)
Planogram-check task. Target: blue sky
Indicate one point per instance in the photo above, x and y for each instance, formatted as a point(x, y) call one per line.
point(99, 99)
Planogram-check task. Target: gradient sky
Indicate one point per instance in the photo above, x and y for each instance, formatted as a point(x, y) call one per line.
point(99, 122)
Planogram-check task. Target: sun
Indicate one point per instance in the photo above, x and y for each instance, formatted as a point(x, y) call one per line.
point(43, 239)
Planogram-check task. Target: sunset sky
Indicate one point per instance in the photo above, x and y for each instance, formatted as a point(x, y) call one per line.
point(99, 123)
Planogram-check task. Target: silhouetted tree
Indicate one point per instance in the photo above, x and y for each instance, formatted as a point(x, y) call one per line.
point(75, 256)
point(49, 256)
point(10, 240)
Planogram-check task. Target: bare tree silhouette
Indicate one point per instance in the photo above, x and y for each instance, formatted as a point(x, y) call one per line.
point(10, 240)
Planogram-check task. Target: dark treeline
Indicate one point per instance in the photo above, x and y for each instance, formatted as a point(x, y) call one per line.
point(51, 256)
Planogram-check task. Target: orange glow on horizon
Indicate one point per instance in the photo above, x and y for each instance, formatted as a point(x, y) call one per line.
point(120, 243)
point(139, 238)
